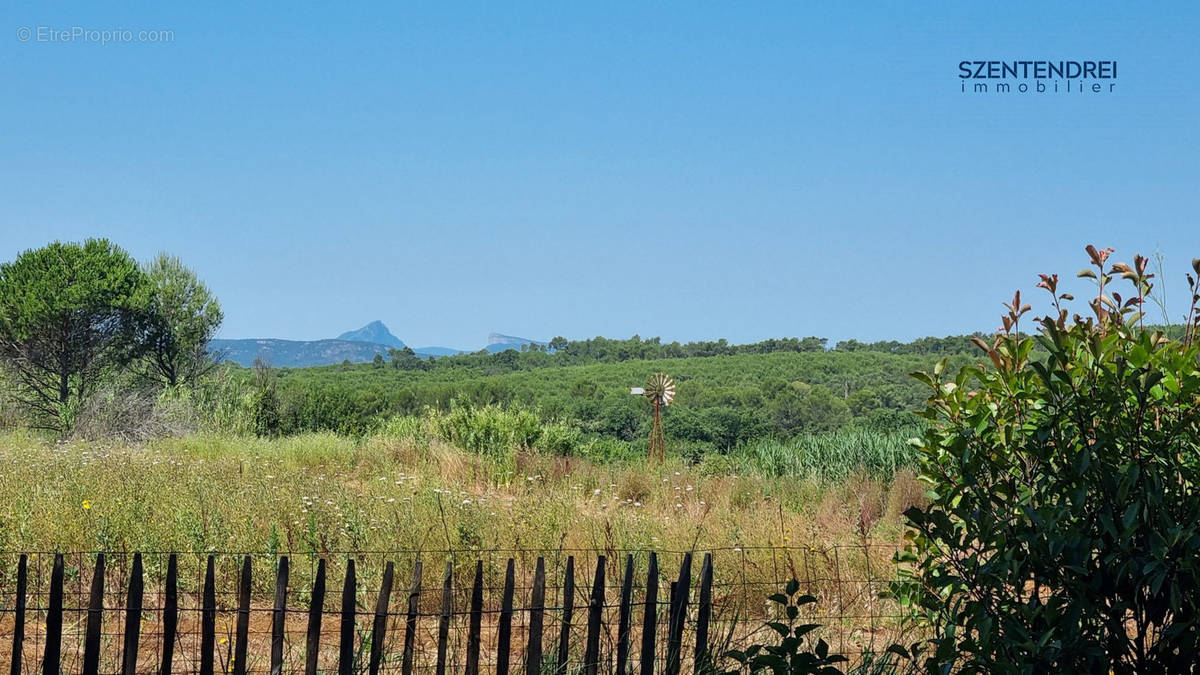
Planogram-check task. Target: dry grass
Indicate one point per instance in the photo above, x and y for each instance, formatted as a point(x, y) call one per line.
point(323, 493)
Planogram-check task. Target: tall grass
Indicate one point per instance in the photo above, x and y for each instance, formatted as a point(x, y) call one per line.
point(327, 492)
point(832, 456)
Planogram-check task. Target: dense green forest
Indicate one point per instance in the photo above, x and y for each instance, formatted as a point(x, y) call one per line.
point(727, 394)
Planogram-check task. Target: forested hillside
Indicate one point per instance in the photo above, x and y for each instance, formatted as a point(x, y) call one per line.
point(727, 394)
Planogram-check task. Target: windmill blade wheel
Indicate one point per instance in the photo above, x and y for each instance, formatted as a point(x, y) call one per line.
point(660, 389)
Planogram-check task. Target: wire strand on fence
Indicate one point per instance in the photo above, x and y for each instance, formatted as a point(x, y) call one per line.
point(227, 611)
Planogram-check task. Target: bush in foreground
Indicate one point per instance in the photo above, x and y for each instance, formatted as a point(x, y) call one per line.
point(1064, 535)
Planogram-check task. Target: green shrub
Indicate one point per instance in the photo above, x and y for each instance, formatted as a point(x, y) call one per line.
point(559, 438)
point(489, 431)
point(1064, 531)
point(795, 653)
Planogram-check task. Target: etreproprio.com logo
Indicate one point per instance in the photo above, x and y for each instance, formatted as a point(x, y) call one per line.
point(1037, 77)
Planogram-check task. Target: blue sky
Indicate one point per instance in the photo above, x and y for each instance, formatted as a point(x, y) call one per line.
point(691, 170)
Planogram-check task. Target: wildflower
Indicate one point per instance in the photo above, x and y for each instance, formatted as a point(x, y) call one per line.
point(87, 504)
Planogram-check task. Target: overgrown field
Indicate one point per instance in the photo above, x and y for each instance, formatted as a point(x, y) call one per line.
point(417, 486)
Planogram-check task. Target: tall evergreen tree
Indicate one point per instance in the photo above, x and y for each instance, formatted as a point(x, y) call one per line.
point(67, 313)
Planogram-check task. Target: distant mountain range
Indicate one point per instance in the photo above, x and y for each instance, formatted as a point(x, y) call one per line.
point(356, 346)
point(295, 353)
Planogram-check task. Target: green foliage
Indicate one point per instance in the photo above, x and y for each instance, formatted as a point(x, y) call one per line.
point(722, 401)
point(223, 402)
point(407, 359)
point(800, 407)
point(264, 401)
point(68, 314)
point(490, 431)
point(829, 456)
point(410, 428)
point(795, 653)
point(1064, 531)
point(182, 316)
point(932, 346)
point(559, 438)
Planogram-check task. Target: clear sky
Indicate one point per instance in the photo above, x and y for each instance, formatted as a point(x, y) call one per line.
point(690, 170)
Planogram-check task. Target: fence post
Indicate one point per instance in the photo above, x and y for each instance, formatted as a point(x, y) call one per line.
point(242, 627)
point(19, 618)
point(315, 606)
point(591, 654)
point(568, 600)
point(208, 619)
point(623, 618)
point(279, 616)
point(504, 636)
point(671, 598)
point(537, 611)
point(346, 639)
point(650, 617)
point(410, 622)
point(679, 604)
point(170, 614)
point(444, 619)
point(476, 622)
point(704, 616)
point(95, 616)
point(54, 619)
point(133, 618)
point(379, 627)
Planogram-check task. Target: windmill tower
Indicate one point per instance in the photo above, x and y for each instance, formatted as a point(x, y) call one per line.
point(660, 389)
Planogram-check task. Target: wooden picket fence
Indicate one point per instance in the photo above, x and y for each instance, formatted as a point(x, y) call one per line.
point(680, 618)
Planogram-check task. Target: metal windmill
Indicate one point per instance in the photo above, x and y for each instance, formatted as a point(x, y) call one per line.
point(660, 389)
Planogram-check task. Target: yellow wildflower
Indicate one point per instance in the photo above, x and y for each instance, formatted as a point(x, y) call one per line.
point(87, 504)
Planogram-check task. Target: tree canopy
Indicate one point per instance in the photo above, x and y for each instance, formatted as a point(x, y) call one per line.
point(182, 316)
point(67, 312)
